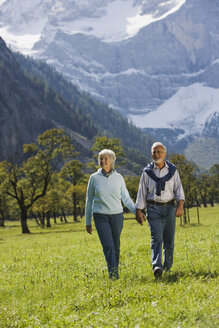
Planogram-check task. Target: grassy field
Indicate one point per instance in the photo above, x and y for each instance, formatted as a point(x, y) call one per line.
point(57, 277)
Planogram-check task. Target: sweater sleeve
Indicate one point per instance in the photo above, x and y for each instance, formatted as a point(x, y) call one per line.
point(89, 201)
point(126, 197)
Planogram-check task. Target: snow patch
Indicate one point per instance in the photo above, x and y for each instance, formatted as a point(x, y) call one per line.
point(139, 21)
point(215, 62)
point(111, 27)
point(18, 42)
point(187, 109)
point(122, 20)
point(119, 20)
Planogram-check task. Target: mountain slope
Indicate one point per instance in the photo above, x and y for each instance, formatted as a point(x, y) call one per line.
point(28, 107)
point(108, 121)
point(204, 150)
point(156, 62)
point(132, 55)
point(29, 104)
point(175, 113)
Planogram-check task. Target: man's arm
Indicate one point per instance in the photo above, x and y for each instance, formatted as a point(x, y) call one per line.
point(179, 194)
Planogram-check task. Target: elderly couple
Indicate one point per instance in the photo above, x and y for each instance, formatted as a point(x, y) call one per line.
point(159, 186)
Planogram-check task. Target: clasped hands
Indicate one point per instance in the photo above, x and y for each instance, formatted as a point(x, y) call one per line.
point(140, 217)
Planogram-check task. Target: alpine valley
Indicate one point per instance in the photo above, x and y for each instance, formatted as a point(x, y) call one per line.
point(35, 98)
point(154, 62)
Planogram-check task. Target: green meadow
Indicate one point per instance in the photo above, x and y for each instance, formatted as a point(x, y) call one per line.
point(57, 277)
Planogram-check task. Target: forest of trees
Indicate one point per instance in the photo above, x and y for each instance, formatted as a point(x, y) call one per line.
point(51, 183)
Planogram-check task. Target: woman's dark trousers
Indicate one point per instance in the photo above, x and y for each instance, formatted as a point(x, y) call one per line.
point(109, 228)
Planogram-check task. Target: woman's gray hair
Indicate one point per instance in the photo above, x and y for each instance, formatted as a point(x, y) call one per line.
point(111, 155)
point(158, 144)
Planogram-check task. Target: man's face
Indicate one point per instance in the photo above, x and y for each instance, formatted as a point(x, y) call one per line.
point(158, 155)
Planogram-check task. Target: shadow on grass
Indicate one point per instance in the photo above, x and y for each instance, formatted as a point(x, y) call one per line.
point(131, 218)
point(193, 225)
point(52, 229)
point(11, 226)
point(43, 232)
point(177, 276)
point(60, 231)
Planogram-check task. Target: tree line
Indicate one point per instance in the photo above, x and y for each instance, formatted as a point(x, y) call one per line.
point(50, 183)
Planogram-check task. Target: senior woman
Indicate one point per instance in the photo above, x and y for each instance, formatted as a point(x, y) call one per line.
point(106, 188)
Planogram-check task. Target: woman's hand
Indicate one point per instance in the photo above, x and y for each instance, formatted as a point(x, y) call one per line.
point(89, 229)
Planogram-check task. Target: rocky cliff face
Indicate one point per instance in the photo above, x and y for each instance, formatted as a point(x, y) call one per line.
point(211, 127)
point(144, 67)
point(137, 74)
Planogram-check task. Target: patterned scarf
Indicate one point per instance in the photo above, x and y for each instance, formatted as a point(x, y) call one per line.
point(107, 174)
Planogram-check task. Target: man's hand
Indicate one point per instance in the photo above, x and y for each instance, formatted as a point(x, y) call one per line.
point(89, 229)
point(179, 210)
point(140, 217)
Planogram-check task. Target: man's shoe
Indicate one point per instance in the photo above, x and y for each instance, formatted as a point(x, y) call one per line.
point(157, 272)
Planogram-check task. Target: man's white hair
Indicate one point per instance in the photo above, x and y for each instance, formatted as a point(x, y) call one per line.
point(158, 144)
point(111, 155)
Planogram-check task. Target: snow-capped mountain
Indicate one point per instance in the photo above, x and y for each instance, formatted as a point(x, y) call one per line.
point(156, 61)
point(110, 21)
point(199, 100)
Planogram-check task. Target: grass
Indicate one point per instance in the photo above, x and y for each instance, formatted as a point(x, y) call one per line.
point(57, 277)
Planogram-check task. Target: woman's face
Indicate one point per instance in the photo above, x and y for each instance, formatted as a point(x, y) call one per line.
point(105, 162)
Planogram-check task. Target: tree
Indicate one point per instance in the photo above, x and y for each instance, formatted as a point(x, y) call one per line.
point(42, 208)
point(186, 171)
point(107, 143)
point(204, 187)
point(132, 184)
point(72, 171)
point(65, 204)
point(29, 181)
point(214, 183)
point(4, 198)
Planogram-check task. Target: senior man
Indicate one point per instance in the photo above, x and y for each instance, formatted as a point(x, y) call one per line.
point(159, 187)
